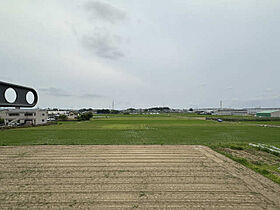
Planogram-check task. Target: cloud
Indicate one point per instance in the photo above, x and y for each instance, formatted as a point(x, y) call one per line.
point(61, 93)
point(103, 41)
point(104, 45)
point(202, 85)
point(269, 90)
point(89, 95)
point(270, 101)
point(55, 92)
point(105, 11)
point(229, 88)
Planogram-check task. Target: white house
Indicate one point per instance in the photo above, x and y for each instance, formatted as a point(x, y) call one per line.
point(57, 113)
point(24, 116)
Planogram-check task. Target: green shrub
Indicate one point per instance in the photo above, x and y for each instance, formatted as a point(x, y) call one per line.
point(85, 116)
point(235, 147)
point(257, 162)
point(62, 117)
point(262, 171)
point(241, 160)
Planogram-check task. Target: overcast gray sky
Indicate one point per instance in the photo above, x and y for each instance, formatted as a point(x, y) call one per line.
point(143, 53)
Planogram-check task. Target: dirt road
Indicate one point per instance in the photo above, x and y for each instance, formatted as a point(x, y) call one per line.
point(129, 177)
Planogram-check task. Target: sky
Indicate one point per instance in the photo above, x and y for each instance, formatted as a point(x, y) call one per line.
point(143, 53)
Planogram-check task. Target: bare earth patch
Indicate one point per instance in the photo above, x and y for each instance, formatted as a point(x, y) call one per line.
point(129, 177)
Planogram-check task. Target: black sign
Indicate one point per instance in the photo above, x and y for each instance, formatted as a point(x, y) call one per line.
point(21, 95)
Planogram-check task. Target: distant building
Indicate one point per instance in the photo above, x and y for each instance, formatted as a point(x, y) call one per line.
point(254, 111)
point(54, 114)
point(237, 112)
point(72, 116)
point(267, 113)
point(24, 116)
point(57, 113)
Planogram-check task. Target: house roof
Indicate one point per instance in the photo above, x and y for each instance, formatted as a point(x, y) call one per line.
point(268, 111)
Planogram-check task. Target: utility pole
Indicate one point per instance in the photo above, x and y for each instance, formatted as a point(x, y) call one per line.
point(113, 105)
point(221, 104)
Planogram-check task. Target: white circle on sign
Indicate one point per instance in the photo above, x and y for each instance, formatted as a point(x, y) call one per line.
point(10, 95)
point(30, 97)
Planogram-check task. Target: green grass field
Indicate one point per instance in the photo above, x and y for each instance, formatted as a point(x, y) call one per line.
point(144, 129)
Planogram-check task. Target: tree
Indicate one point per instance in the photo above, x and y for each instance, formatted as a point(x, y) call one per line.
point(1, 121)
point(85, 116)
point(85, 110)
point(62, 117)
point(115, 112)
point(103, 111)
point(159, 109)
point(191, 109)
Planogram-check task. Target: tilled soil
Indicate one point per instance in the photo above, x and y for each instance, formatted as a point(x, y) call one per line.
point(129, 177)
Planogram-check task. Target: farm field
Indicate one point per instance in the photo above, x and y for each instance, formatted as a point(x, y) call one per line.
point(129, 177)
point(228, 138)
point(143, 129)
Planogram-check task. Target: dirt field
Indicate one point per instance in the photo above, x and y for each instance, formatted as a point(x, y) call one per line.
point(129, 177)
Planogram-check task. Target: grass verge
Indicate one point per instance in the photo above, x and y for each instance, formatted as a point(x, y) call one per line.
point(261, 161)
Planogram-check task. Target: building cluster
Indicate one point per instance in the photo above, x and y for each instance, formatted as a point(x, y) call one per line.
point(18, 117)
point(258, 112)
point(269, 113)
point(56, 114)
point(21, 117)
point(235, 112)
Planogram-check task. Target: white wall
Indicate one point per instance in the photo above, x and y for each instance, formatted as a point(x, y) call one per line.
point(37, 117)
point(275, 114)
